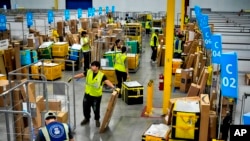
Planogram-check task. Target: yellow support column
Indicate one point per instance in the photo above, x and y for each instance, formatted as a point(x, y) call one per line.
point(182, 13)
point(150, 95)
point(56, 4)
point(168, 55)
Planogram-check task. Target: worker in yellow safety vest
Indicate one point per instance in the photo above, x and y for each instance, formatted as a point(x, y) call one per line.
point(117, 45)
point(178, 46)
point(54, 130)
point(147, 27)
point(121, 67)
point(186, 19)
point(85, 49)
point(93, 91)
point(110, 18)
point(154, 43)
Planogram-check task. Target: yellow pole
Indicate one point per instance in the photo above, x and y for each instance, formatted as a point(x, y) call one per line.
point(182, 13)
point(168, 55)
point(150, 93)
point(56, 4)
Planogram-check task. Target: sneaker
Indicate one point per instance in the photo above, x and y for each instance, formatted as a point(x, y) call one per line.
point(97, 123)
point(85, 121)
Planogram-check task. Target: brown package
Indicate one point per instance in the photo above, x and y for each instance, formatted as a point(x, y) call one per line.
point(204, 120)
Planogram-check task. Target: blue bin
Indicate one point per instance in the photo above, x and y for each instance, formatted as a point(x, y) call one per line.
point(246, 119)
point(134, 46)
point(74, 55)
point(34, 56)
point(25, 57)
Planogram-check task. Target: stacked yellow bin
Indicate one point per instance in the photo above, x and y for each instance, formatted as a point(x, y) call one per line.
point(177, 79)
point(60, 52)
point(133, 61)
point(51, 71)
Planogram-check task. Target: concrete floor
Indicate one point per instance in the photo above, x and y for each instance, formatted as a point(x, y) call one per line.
point(126, 124)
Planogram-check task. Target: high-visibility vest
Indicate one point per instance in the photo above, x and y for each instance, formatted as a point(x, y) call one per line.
point(56, 130)
point(152, 40)
point(186, 20)
point(177, 46)
point(147, 25)
point(119, 62)
point(110, 20)
point(85, 48)
point(94, 85)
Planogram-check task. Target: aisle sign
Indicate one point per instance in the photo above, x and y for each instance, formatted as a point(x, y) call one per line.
point(79, 13)
point(2, 22)
point(29, 17)
point(107, 9)
point(204, 20)
point(113, 9)
point(50, 16)
point(197, 10)
point(216, 48)
point(206, 33)
point(93, 11)
point(89, 12)
point(100, 10)
point(67, 15)
point(229, 75)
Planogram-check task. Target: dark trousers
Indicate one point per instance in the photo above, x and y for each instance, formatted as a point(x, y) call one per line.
point(154, 53)
point(147, 31)
point(121, 77)
point(94, 102)
point(86, 56)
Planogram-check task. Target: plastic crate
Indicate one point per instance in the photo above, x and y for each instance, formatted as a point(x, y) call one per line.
point(25, 57)
point(34, 56)
point(133, 61)
point(35, 69)
point(186, 120)
point(44, 51)
point(52, 71)
point(246, 119)
point(74, 54)
point(110, 55)
point(61, 62)
point(110, 74)
point(134, 46)
point(176, 63)
point(60, 49)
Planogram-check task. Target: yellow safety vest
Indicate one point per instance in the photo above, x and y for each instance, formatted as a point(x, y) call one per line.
point(94, 85)
point(110, 20)
point(85, 48)
point(186, 20)
point(177, 49)
point(46, 133)
point(119, 62)
point(152, 40)
point(147, 25)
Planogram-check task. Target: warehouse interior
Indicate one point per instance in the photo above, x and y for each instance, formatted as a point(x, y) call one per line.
point(198, 96)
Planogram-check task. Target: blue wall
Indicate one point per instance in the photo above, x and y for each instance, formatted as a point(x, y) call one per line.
point(75, 4)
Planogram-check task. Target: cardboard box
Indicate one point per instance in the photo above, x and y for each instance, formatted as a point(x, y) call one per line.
point(95, 25)
point(204, 120)
point(212, 124)
point(2, 66)
point(4, 86)
point(186, 79)
point(193, 90)
point(17, 100)
point(247, 79)
point(62, 117)
point(55, 105)
point(32, 92)
point(40, 104)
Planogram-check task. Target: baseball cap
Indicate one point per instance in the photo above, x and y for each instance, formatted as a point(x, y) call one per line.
point(49, 115)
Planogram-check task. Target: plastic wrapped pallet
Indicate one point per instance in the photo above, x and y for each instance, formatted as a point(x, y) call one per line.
point(132, 92)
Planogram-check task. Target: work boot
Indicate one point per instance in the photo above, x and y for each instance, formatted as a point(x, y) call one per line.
point(97, 123)
point(85, 121)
